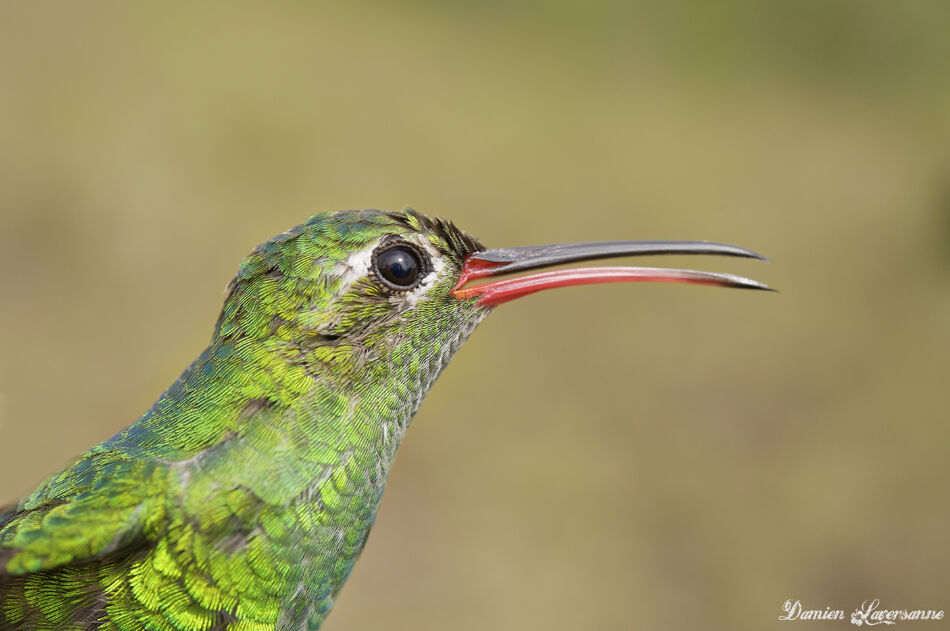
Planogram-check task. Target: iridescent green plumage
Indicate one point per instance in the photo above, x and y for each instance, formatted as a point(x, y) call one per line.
point(243, 497)
point(241, 500)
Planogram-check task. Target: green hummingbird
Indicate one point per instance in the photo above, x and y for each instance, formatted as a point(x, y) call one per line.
point(242, 498)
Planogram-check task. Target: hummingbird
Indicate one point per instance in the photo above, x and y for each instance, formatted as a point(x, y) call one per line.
point(242, 498)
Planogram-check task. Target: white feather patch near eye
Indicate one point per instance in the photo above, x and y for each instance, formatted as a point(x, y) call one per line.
point(356, 265)
point(430, 279)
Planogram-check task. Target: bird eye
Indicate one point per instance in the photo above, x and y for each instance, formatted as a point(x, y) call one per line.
point(398, 266)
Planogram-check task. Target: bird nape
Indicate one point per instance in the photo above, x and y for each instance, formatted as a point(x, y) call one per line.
point(242, 498)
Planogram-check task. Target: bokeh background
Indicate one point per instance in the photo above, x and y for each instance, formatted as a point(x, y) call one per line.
point(611, 457)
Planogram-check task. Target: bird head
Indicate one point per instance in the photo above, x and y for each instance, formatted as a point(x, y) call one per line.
point(371, 293)
point(354, 290)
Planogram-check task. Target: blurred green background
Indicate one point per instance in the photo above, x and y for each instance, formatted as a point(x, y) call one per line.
point(611, 457)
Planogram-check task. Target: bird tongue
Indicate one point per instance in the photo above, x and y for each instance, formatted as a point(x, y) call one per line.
point(489, 263)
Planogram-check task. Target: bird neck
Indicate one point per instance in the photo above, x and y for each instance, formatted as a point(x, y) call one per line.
point(278, 419)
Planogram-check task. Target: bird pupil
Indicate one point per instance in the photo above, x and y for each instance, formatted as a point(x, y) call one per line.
point(398, 265)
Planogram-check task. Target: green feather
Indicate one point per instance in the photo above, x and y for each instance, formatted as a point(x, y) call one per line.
point(243, 497)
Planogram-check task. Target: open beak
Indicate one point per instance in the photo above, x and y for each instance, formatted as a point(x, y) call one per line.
point(493, 263)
